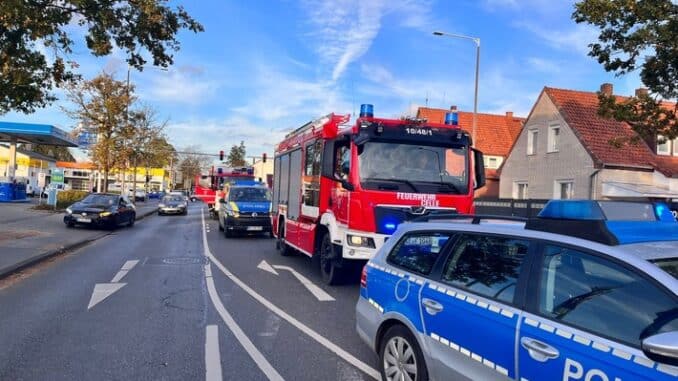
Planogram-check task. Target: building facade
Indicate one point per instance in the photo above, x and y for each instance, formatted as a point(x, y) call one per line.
point(566, 151)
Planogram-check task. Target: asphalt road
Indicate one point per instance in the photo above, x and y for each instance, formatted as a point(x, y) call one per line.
point(184, 303)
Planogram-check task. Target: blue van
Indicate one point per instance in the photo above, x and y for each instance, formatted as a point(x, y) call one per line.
point(245, 208)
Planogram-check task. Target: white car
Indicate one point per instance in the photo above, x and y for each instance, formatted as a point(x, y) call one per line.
point(139, 194)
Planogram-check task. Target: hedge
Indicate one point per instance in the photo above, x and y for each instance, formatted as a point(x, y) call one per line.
point(69, 197)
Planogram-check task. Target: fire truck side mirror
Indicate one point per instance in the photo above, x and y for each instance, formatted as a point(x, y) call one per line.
point(478, 169)
point(327, 169)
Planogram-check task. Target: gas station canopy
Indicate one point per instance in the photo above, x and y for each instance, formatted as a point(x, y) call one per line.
point(35, 133)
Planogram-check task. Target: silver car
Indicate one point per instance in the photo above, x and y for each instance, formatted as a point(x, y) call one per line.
point(584, 292)
point(173, 204)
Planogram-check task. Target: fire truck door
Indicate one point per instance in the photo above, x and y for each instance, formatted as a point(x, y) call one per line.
point(294, 201)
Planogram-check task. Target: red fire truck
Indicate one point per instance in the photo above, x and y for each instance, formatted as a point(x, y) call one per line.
point(340, 191)
point(207, 185)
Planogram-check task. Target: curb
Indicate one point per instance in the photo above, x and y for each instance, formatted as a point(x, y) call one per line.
point(62, 250)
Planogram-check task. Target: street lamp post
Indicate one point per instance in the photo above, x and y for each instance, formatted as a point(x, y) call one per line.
point(476, 40)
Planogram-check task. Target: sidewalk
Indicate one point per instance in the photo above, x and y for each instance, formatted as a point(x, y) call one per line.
point(28, 236)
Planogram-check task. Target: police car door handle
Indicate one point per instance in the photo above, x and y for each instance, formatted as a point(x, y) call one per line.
point(538, 350)
point(431, 306)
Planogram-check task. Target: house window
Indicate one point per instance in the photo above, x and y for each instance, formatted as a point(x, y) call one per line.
point(520, 190)
point(492, 162)
point(564, 189)
point(675, 146)
point(553, 138)
point(663, 145)
point(531, 142)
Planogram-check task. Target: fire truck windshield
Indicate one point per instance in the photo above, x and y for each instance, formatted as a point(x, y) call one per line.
point(413, 168)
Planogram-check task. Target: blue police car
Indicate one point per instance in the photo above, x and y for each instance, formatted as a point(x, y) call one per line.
point(245, 208)
point(585, 291)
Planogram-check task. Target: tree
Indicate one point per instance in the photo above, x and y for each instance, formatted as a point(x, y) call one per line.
point(637, 34)
point(236, 157)
point(101, 106)
point(28, 26)
point(144, 140)
point(192, 163)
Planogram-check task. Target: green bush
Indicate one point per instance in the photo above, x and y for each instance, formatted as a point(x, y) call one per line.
point(69, 197)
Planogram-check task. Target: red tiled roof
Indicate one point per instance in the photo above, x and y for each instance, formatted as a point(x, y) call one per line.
point(495, 134)
point(580, 110)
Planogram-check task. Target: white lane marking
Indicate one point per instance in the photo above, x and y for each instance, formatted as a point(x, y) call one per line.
point(129, 265)
point(318, 292)
point(245, 341)
point(103, 291)
point(263, 265)
point(212, 355)
point(278, 311)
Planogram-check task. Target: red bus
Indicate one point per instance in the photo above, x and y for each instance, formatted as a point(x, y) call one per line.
point(339, 193)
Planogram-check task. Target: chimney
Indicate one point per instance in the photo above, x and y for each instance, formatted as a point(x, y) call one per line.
point(641, 91)
point(606, 88)
point(453, 108)
point(509, 115)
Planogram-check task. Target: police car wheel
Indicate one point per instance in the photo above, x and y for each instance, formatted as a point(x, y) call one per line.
point(400, 357)
point(331, 273)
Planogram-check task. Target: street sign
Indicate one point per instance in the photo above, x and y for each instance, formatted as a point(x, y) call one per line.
point(57, 176)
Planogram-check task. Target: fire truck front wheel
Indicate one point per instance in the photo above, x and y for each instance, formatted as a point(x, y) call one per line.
point(331, 267)
point(280, 245)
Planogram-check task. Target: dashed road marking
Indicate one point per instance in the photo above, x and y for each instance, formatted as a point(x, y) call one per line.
point(212, 355)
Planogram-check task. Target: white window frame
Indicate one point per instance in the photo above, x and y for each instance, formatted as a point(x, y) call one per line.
point(516, 190)
point(557, 187)
point(667, 144)
point(553, 139)
point(674, 142)
point(492, 162)
point(532, 136)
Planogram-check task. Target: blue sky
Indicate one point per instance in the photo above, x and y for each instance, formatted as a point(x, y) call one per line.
point(262, 68)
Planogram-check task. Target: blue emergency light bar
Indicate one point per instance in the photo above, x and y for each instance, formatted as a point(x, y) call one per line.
point(452, 118)
point(607, 222)
point(366, 111)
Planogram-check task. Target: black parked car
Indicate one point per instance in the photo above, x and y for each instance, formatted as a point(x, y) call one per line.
point(101, 210)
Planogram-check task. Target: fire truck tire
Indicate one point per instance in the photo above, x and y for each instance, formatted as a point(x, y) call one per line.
point(280, 245)
point(330, 261)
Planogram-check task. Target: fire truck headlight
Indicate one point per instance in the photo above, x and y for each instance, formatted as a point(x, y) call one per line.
point(358, 241)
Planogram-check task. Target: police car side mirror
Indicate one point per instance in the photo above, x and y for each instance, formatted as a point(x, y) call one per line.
point(662, 347)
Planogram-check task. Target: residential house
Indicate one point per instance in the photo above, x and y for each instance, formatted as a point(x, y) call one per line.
point(564, 152)
point(495, 135)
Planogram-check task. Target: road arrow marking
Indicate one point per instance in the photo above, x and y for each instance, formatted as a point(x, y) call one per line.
point(266, 267)
point(103, 291)
point(318, 292)
point(129, 265)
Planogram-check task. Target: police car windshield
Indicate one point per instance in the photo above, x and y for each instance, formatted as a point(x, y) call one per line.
point(249, 194)
point(411, 167)
point(669, 265)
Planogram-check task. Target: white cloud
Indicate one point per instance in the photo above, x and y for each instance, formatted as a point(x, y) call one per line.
point(544, 65)
point(185, 85)
point(344, 30)
point(574, 39)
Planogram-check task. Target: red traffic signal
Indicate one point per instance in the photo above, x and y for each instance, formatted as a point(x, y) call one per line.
point(221, 155)
point(263, 157)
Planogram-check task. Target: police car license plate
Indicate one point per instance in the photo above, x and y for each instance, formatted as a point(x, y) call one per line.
point(83, 219)
point(255, 228)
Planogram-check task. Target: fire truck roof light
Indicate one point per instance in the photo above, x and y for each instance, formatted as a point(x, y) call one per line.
point(366, 111)
point(452, 118)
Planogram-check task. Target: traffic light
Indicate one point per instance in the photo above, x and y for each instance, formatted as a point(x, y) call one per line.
point(221, 155)
point(263, 157)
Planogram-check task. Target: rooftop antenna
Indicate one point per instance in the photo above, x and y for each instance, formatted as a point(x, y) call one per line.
point(427, 99)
